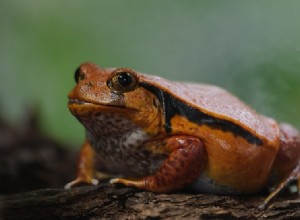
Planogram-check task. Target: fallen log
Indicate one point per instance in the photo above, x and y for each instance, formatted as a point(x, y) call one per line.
point(112, 202)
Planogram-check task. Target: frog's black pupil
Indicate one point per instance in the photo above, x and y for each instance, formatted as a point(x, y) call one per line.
point(124, 79)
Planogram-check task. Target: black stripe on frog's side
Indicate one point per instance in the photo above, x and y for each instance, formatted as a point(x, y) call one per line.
point(172, 106)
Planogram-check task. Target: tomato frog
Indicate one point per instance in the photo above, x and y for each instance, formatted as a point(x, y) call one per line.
point(160, 135)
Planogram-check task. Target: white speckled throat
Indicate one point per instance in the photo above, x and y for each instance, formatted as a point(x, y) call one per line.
point(118, 142)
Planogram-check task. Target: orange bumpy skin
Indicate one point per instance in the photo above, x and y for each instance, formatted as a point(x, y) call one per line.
point(162, 136)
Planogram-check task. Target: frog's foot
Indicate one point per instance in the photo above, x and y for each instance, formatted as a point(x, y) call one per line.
point(81, 181)
point(85, 173)
point(184, 165)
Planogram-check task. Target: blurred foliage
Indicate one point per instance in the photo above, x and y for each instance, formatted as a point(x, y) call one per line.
point(251, 48)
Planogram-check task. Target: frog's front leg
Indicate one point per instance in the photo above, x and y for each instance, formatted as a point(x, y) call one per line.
point(185, 163)
point(86, 170)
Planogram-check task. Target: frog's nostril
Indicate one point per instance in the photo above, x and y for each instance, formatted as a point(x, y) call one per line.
point(90, 84)
point(79, 75)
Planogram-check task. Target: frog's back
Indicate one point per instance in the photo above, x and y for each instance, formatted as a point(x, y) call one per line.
point(232, 132)
point(215, 102)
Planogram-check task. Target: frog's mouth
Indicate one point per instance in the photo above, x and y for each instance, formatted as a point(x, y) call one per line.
point(74, 103)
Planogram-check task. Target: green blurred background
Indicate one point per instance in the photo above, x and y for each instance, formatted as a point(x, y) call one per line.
point(251, 48)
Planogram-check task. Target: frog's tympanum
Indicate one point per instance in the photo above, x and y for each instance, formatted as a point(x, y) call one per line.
point(160, 135)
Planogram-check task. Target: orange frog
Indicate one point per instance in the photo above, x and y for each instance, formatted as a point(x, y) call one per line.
point(162, 136)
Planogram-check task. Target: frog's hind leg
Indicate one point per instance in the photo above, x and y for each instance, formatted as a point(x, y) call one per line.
point(185, 163)
point(286, 166)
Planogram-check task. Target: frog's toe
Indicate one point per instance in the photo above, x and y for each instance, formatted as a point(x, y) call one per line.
point(71, 184)
point(122, 181)
point(115, 181)
point(138, 183)
point(94, 181)
point(79, 182)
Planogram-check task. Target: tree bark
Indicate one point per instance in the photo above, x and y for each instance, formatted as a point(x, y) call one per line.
point(114, 202)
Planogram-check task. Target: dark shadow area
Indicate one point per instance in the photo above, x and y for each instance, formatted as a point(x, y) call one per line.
point(30, 160)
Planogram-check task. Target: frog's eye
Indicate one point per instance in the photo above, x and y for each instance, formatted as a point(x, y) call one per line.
point(79, 75)
point(122, 80)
